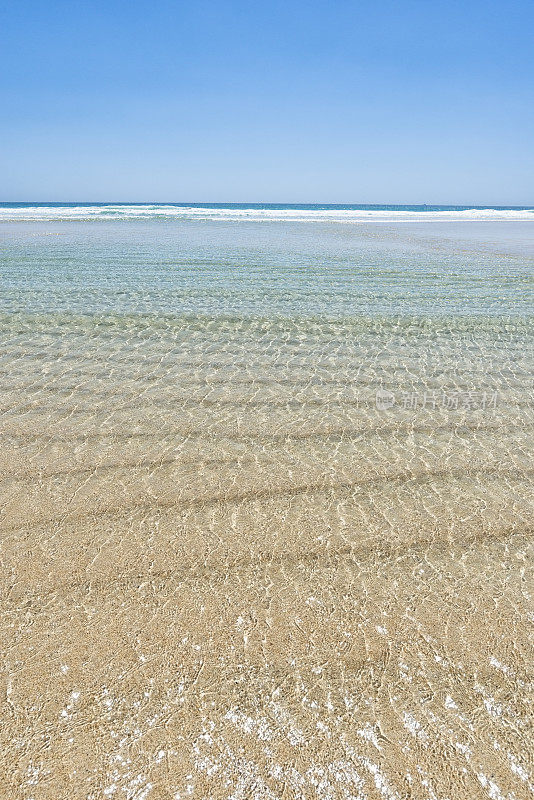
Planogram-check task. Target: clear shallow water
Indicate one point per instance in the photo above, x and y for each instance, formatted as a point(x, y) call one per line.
point(263, 269)
point(229, 564)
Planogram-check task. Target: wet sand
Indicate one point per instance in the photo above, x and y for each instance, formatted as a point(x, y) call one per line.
point(226, 573)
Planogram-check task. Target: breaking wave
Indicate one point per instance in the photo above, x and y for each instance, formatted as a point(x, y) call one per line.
point(255, 213)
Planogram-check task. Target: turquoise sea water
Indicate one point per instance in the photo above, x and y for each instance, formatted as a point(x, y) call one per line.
point(265, 260)
point(442, 284)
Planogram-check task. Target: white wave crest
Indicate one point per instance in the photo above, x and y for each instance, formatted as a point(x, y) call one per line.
point(232, 214)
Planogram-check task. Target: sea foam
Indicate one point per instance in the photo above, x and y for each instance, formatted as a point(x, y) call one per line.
point(26, 213)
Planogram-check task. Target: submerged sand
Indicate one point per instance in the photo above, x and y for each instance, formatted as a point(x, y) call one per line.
point(227, 574)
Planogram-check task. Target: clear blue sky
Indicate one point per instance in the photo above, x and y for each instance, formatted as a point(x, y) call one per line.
point(213, 100)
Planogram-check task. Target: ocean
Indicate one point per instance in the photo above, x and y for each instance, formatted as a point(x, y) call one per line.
point(266, 500)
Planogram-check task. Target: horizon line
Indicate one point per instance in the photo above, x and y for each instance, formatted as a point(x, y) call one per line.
point(267, 203)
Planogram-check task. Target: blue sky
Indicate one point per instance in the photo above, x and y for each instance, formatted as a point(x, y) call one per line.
point(212, 100)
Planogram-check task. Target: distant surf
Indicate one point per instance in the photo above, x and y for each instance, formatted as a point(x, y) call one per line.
point(254, 212)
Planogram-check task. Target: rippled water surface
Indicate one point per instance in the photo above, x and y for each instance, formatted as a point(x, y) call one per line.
point(266, 508)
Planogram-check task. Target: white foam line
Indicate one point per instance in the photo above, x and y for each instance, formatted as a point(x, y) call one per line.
point(130, 212)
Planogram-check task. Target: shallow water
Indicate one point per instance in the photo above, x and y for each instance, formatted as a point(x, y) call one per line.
point(266, 509)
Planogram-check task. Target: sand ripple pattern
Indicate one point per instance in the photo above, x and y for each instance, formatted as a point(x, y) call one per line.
point(227, 574)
